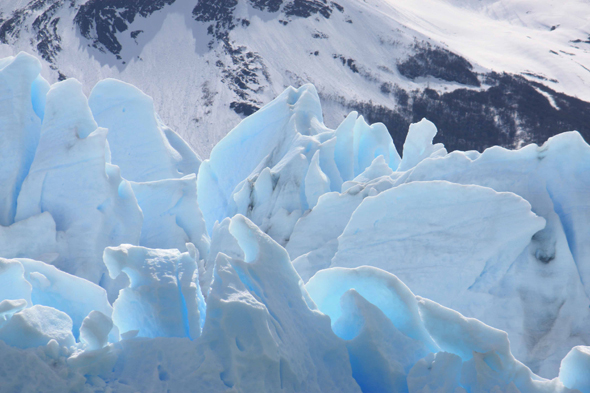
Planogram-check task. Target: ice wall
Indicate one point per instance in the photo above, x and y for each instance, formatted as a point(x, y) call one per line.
point(296, 259)
point(20, 126)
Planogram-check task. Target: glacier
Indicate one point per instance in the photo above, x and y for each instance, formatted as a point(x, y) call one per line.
point(297, 258)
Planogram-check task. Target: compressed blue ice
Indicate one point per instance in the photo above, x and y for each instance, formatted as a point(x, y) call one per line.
point(297, 258)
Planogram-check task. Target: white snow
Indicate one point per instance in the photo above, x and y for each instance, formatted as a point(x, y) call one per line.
point(196, 103)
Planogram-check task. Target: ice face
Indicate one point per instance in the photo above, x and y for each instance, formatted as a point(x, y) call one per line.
point(314, 239)
point(420, 229)
point(552, 184)
point(437, 372)
point(418, 145)
point(34, 237)
point(533, 173)
point(95, 329)
point(293, 159)
point(358, 144)
point(574, 369)
point(258, 309)
point(222, 241)
point(38, 283)
point(20, 128)
point(9, 307)
point(384, 290)
point(171, 214)
point(257, 135)
point(316, 182)
point(73, 295)
point(139, 141)
point(464, 352)
point(488, 252)
point(163, 293)
point(91, 204)
point(13, 285)
point(380, 355)
point(36, 326)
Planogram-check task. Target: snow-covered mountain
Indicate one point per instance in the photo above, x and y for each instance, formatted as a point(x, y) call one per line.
point(493, 72)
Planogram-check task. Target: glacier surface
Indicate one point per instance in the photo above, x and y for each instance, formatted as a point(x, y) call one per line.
point(298, 258)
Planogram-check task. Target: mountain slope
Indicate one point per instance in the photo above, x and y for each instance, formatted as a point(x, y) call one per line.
point(491, 72)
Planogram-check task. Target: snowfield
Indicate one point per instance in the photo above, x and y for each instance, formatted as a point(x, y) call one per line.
point(297, 258)
point(487, 72)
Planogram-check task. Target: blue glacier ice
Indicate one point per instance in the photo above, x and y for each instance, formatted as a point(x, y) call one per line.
point(292, 159)
point(20, 127)
point(163, 296)
point(487, 363)
point(171, 214)
point(297, 258)
point(574, 369)
point(140, 144)
point(71, 178)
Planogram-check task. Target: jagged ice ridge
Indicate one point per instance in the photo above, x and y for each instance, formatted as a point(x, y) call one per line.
point(297, 258)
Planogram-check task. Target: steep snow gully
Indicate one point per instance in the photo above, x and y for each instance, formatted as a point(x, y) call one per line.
point(297, 258)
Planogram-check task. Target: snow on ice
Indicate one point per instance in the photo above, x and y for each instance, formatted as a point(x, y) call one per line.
point(297, 258)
